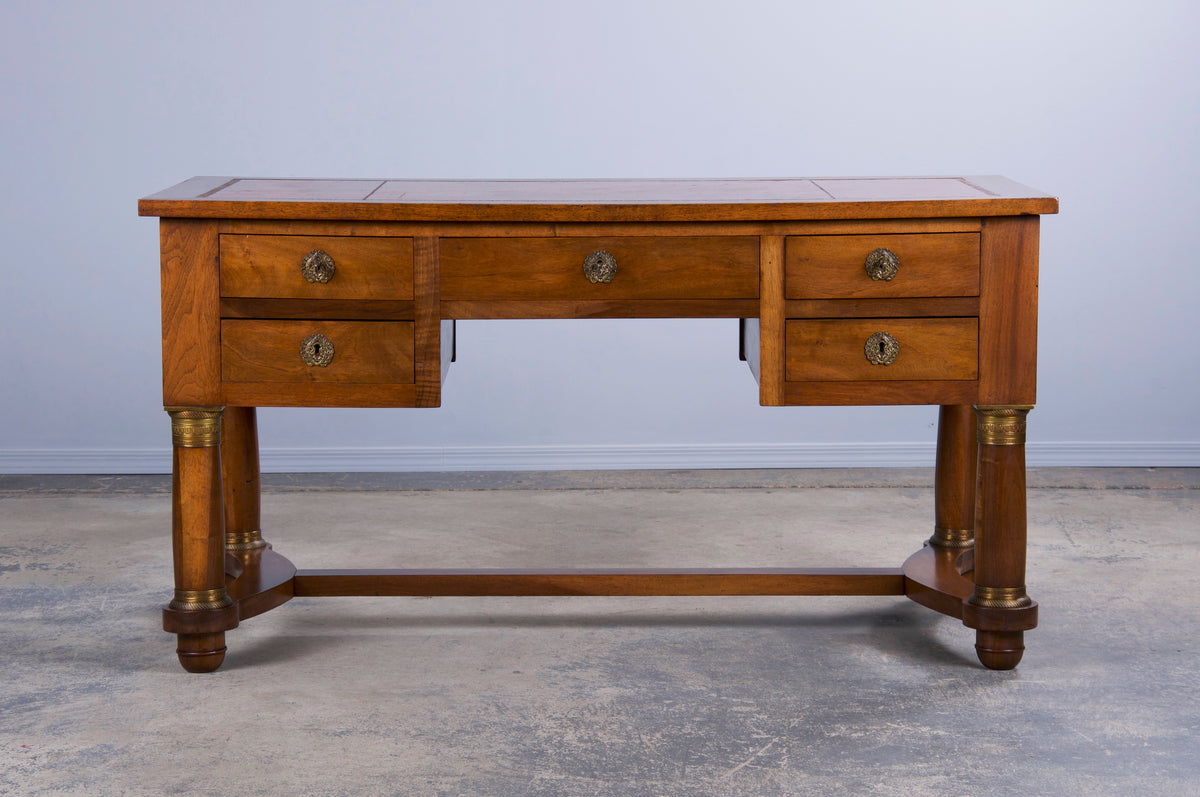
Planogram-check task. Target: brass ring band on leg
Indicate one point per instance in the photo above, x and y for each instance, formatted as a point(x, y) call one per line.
point(195, 427)
point(244, 540)
point(1000, 597)
point(192, 600)
point(1002, 425)
point(952, 538)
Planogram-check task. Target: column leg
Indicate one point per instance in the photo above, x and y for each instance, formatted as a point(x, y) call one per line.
point(241, 480)
point(954, 479)
point(200, 612)
point(999, 609)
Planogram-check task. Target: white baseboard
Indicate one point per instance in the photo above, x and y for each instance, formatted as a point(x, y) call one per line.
point(617, 457)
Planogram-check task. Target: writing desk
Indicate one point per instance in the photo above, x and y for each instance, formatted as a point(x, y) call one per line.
point(344, 293)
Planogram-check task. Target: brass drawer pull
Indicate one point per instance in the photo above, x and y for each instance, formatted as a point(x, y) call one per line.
point(316, 350)
point(881, 349)
point(317, 266)
point(600, 266)
point(882, 264)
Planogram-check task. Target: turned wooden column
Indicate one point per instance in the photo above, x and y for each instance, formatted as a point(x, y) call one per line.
point(200, 612)
point(242, 482)
point(954, 479)
point(999, 609)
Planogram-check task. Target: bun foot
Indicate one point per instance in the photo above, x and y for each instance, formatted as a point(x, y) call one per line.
point(201, 652)
point(1000, 650)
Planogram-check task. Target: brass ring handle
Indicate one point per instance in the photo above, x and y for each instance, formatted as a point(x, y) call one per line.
point(881, 349)
point(317, 266)
point(317, 351)
point(882, 264)
point(600, 266)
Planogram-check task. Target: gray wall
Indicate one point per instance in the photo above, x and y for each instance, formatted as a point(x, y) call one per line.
point(104, 102)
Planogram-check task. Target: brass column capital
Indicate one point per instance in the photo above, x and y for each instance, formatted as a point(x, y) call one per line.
point(1002, 424)
point(195, 427)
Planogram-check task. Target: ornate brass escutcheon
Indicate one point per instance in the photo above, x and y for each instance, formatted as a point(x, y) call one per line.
point(600, 266)
point(881, 349)
point(882, 264)
point(318, 266)
point(317, 350)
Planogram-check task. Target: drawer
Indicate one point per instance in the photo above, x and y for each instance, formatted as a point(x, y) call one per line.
point(835, 350)
point(927, 265)
point(361, 352)
point(272, 266)
point(513, 269)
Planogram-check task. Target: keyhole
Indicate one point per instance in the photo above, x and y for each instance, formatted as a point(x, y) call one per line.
point(881, 347)
point(317, 348)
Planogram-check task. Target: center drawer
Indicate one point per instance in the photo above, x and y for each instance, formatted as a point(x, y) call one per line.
point(668, 267)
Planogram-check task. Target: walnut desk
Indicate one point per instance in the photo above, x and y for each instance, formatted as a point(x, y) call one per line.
point(344, 293)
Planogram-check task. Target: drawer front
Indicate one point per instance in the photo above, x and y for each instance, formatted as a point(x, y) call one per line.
point(927, 265)
point(835, 350)
point(363, 352)
point(514, 269)
point(272, 267)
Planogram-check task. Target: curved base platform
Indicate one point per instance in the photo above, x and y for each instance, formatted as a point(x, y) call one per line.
point(938, 579)
point(258, 580)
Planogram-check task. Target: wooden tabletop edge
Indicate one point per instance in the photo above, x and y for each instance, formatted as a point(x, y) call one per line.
point(199, 197)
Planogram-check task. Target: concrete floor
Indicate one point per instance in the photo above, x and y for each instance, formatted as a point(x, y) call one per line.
point(602, 696)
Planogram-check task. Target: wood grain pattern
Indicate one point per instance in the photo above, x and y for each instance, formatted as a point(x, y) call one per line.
point(605, 308)
point(240, 477)
point(268, 266)
point(428, 371)
point(365, 351)
point(197, 519)
point(954, 468)
point(827, 350)
point(540, 269)
point(1000, 552)
point(319, 394)
point(771, 323)
point(965, 307)
point(935, 578)
point(1008, 311)
point(198, 550)
point(191, 347)
point(329, 309)
point(749, 581)
point(1000, 547)
point(261, 581)
point(832, 266)
point(879, 392)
